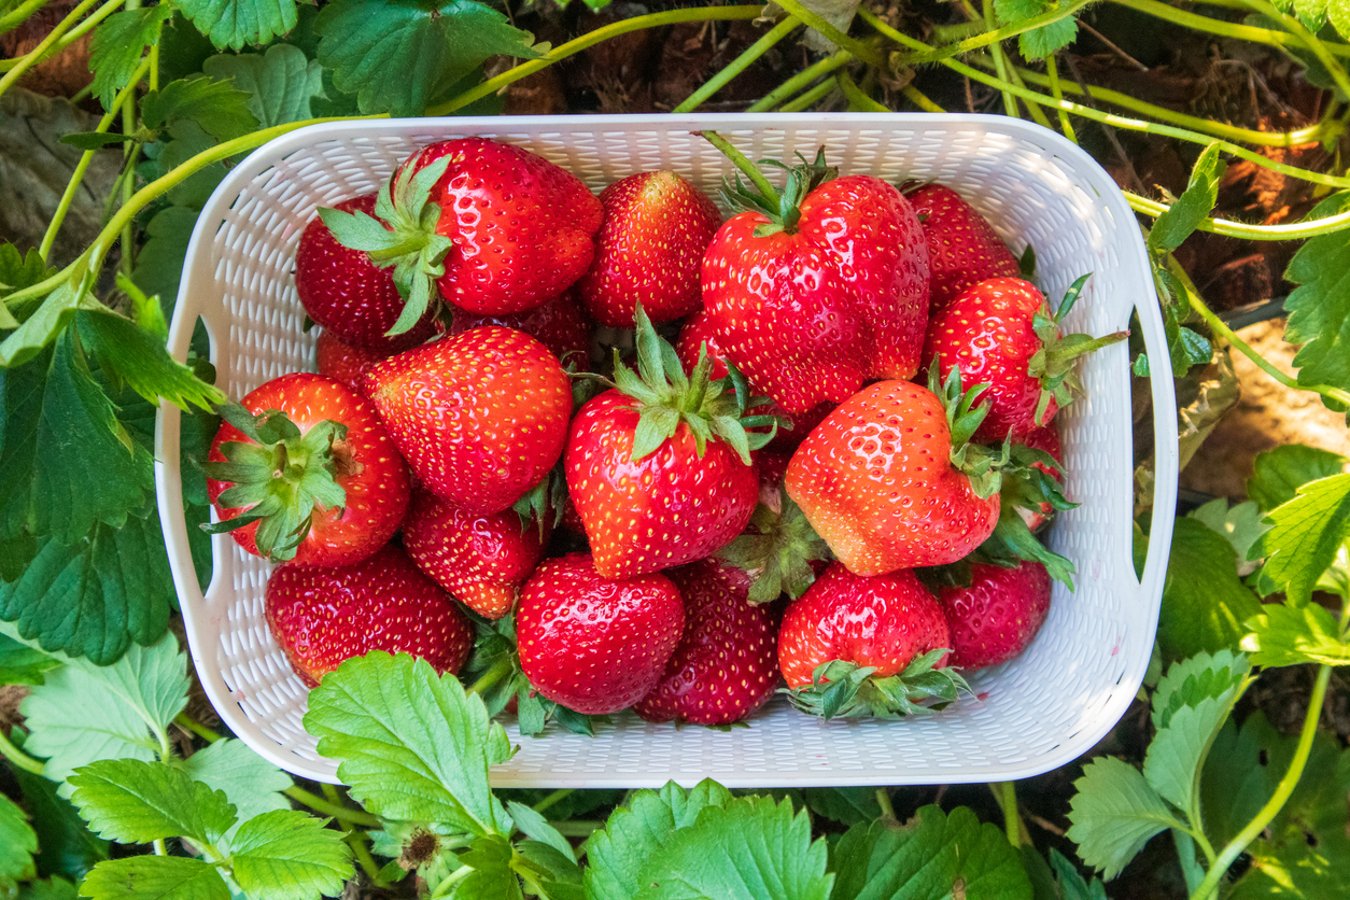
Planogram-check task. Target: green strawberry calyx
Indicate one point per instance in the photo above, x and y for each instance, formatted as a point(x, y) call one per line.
point(401, 235)
point(846, 690)
point(1028, 487)
point(279, 476)
point(982, 465)
point(1054, 363)
point(666, 398)
point(777, 551)
point(781, 208)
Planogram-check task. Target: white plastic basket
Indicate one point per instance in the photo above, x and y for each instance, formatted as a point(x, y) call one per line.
point(1031, 715)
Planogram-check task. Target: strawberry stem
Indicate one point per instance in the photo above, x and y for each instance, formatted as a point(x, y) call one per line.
point(742, 162)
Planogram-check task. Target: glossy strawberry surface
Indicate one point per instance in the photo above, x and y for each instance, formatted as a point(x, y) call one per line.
point(995, 617)
point(725, 666)
point(809, 314)
point(322, 616)
point(347, 363)
point(666, 509)
point(481, 559)
point(883, 621)
point(523, 229)
point(368, 468)
point(593, 644)
point(346, 293)
point(963, 247)
point(480, 416)
point(876, 481)
point(650, 249)
point(558, 324)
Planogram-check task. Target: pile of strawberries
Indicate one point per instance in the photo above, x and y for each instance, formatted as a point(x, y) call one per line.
point(822, 463)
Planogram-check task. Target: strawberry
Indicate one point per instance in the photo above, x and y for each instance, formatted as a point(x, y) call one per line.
point(814, 291)
point(595, 645)
point(890, 482)
point(724, 667)
point(348, 293)
point(303, 470)
point(1046, 440)
point(994, 618)
point(659, 466)
point(963, 247)
point(866, 646)
point(1002, 336)
point(558, 324)
point(322, 616)
point(480, 416)
point(343, 362)
point(650, 247)
point(481, 559)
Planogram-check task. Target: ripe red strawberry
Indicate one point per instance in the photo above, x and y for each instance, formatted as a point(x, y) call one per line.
point(659, 467)
point(480, 416)
point(865, 646)
point(347, 293)
point(304, 470)
point(889, 481)
point(558, 324)
point(814, 292)
point(322, 616)
point(725, 666)
point(963, 247)
point(481, 560)
point(594, 645)
point(650, 248)
point(994, 618)
point(1001, 333)
point(343, 362)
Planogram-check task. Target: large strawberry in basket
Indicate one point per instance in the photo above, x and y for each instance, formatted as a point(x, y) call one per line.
point(814, 290)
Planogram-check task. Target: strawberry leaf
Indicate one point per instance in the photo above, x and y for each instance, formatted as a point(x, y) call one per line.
point(748, 848)
point(1204, 601)
point(280, 83)
point(1306, 536)
point(1189, 210)
point(639, 831)
point(130, 354)
point(1115, 813)
point(933, 856)
point(118, 45)
point(218, 107)
point(18, 843)
point(287, 854)
point(1278, 474)
point(161, 877)
point(1291, 636)
point(1319, 307)
point(250, 782)
point(135, 802)
point(431, 45)
point(65, 845)
point(411, 744)
point(231, 24)
point(1038, 43)
point(21, 664)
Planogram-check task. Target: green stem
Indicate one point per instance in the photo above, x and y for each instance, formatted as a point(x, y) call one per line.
point(887, 807)
point(1221, 28)
point(811, 97)
point(553, 798)
point(808, 76)
point(1000, 62)
point(1221, 329)
point(1005, 792)
point(160, 848)
point(20, 14)
point(818, 22)
point(738, 65)
point(1311, 41)
point(443, 889)
point(339, 811)
point(590, 39)
point(17, 67)
point(932, 54)
point(357, 840)
point(858, 99)
point(130, 154)
point(1286, 231)
point(920, 99)
point(17, 757)
point(1056, 91)
point(187, 723)
point(1283, 790)
point(86, 158)
point(740, 161)
point(578, 827)
point(495, 673)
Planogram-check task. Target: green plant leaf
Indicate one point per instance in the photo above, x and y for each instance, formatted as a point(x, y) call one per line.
point(1278, 474)
point(1038, 43)
point(1204, 601)
point(138, 358)
point(280, 82)
point(1306, 535)
point(1201, 677)
point(431, 45)
point(250, 782)
point(231, 24)
point(1241, 524)
point(537, 828)
point(289, 855)
point(48, 889)
point(749, 848)
point(154, 878)
point(410, 744)
point(934, 856)
point(547, 872)
point(159, 264)
point(118, 45)
point(22, 664)
point(97, 596)
point(1320, 306)
point(490, 875)
point(19, 269)
point(845, 805)
point(1115, 812)
point(1338, 14)
point(18, 843)
point(640, 830)
point(218, 107)
point(1295, 635)
point(65, 846)
point(1174, 759)
point(85, 712)
point(135, 802)
point(1190, 209)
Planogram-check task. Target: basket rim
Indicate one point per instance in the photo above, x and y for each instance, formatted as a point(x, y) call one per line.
point(198, 270)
